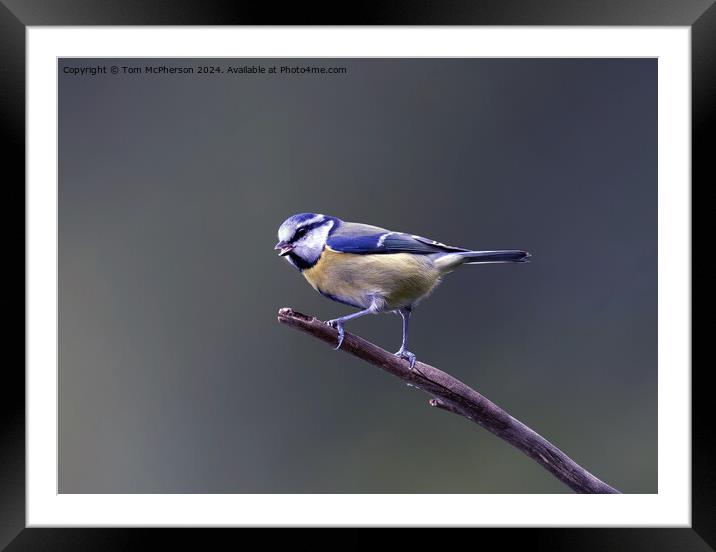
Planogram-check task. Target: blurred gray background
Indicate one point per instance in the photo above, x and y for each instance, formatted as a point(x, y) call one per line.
point(174, 375)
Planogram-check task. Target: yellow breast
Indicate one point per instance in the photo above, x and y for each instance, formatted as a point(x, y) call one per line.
point(391, 281)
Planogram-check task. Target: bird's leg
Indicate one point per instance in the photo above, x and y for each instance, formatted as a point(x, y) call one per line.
point(403, 351)
point(338, 322)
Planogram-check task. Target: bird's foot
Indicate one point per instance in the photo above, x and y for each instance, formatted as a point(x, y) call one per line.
point(337, 324)
point(407, 355)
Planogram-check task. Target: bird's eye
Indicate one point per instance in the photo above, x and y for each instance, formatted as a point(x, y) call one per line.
point(300, 233)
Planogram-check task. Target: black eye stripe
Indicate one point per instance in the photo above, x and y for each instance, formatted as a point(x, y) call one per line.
point(305, 229)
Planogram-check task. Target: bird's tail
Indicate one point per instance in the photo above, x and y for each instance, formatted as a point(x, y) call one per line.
point(453, 260)
point(506, 256)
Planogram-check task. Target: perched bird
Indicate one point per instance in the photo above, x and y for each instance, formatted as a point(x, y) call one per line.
point(373, 269)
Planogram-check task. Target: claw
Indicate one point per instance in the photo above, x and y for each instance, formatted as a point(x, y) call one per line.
point(407, 355)
point(341, 333)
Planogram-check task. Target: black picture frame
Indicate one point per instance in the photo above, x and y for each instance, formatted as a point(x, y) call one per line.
point(16, 15)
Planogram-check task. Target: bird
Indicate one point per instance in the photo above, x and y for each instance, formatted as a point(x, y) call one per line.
point(374, 269)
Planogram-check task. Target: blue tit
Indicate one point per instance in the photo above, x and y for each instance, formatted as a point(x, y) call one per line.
point(371, 268)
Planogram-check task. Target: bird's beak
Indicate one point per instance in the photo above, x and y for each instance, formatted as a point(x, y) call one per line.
point(284, 248)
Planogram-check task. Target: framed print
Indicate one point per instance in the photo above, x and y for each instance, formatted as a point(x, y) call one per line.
point(535, 163)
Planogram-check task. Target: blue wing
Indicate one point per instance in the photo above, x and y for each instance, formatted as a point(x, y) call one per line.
point(363, 239)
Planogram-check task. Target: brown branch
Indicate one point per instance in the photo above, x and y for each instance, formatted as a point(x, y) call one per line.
point(454, 396)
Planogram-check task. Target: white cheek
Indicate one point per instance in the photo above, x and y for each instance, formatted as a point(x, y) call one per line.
point(316, 239)
point(313, 241)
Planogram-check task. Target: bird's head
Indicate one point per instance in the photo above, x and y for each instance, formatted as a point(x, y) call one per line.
point(302, 238)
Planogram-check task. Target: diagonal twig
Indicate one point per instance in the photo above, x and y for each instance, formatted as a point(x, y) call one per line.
point(454, 396)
